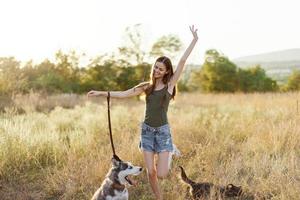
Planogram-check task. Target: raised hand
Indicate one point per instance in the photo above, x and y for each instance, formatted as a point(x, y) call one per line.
point(194, 32)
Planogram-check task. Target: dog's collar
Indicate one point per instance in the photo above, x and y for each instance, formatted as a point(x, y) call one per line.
point(118, 186)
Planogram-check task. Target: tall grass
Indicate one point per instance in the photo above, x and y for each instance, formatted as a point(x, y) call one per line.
point(252, 140)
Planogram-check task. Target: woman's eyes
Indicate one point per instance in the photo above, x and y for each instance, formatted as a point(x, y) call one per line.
point(159, 68)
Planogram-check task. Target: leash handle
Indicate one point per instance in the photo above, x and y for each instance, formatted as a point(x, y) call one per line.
point(109, 124)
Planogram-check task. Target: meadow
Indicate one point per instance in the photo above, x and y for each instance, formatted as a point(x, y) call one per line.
point(58, 147)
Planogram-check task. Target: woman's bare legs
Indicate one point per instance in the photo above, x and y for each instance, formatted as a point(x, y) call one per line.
point(152, 174)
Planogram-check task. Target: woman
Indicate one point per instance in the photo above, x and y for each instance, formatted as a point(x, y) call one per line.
point(155, 135)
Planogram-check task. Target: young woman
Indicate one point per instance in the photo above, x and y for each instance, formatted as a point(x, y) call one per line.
point(155, 134)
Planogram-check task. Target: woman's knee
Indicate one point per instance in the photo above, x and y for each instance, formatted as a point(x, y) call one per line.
point(162, 173)
point(151, 173)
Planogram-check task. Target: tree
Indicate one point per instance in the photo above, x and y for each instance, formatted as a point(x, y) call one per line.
point(134, 54)
point(45, 77)
point(218, 74)
point(166, 45)
point(67, 65)
point(254, 79)
point(293, 83)
point(12, 80)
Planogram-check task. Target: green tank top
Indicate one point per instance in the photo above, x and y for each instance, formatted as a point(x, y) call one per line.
point(157, 107)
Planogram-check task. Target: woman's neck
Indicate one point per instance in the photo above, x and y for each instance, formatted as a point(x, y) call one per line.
point(158, 82)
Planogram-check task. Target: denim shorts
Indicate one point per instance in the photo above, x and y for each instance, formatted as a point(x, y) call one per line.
point(156, 139)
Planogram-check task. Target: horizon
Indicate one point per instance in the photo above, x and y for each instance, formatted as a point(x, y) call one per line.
point(237, 29)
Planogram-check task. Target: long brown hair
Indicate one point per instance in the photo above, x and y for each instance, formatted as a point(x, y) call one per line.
point(151, 84)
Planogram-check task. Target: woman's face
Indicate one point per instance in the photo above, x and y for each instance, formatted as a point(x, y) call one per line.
point(159, 70)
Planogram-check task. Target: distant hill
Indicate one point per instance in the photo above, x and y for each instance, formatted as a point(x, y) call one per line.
point(279, 64)
point(277, 56)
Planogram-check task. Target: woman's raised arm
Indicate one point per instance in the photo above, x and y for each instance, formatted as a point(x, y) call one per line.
point(183, 59)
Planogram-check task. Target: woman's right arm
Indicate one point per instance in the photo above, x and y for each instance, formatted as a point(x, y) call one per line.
point(117, 94)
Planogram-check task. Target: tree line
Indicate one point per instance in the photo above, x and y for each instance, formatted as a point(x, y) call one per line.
point(131, 66)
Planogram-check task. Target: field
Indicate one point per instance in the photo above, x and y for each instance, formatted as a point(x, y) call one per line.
point(58, 147)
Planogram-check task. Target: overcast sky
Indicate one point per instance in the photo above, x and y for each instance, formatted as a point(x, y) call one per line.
point(36, 29)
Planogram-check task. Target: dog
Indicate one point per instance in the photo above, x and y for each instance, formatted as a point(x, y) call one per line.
point(118, 177)
point(201, 191)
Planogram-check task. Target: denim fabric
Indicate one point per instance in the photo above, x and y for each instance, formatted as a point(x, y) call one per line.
point(156, 139)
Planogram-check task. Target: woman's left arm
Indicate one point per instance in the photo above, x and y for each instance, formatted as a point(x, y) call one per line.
point(183, 59)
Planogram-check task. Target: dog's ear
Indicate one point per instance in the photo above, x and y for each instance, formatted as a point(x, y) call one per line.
point(115, 161)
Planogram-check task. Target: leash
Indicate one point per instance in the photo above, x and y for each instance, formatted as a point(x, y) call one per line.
point(109, 125)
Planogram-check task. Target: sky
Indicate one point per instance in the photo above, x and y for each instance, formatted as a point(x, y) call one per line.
point(36, 29)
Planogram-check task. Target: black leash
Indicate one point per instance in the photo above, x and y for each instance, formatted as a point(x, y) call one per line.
point(109, 125)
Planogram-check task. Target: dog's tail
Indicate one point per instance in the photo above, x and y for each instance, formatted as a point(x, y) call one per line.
point(185, 178)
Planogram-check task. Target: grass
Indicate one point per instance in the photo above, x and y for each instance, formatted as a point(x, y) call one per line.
point(63, 151)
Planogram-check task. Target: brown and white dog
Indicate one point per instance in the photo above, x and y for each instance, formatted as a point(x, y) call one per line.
point(205, 190)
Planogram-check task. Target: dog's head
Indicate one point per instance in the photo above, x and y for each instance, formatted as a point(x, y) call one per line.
point(233, 191)
point(123, 170)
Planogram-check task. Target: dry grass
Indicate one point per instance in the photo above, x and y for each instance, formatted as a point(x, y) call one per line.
point(250, 140)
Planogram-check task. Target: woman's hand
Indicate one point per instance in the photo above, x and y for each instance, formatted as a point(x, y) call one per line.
point(194, 32)
point(93, 93)
point(183, 59)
